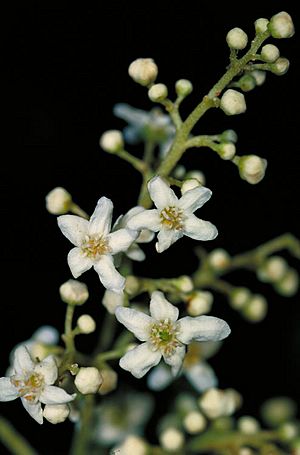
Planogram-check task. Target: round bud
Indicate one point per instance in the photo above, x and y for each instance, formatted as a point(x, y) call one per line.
point(256, 309)
point(219, 259)
point(184, 283)
point(281, 25)
point(289, 283)
point(239, 298)
point(58, 201)
point(179, 171)
point(183, 87)
point(261, 25)
point(111, 300)
point(247, 83)
point(189, 184)
point(112, 141)
point(88, 380)
point(212, 403)
point(143, 71)
point(56, 413)
point(252, 168)
point(194, 422)
point(233, 102)
point(278, 410)
point(200, 302)
point(227, 150)
point(248, 425)
point(259, 76)
point(228, 136)
point(132, 285)
point(270, 53)
point(74, 292)
point(86, 324)
point(171, 439)
point(132, 444)
point(198, 175)
point(110, 380)
point(288, 430)
point(272, 270)
point(237, 38)
point(280, 67)
point(158, 92)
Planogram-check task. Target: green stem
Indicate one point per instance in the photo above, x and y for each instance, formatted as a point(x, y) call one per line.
point(110, 355)
point(80, 445)
point(78, 211)
point(68, 335)
point(108, 329)
point(138, 164)
point(14, 441)
point(172, 108)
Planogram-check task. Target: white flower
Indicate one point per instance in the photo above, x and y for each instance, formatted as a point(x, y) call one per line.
point(174, 217)
point(164, 336)
point(32, 382)
point(95, 245)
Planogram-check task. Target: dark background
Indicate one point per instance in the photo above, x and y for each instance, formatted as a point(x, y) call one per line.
point(65, 67)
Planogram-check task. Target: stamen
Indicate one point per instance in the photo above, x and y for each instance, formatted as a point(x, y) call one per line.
point(163, 337)
point(172, 218)
point(94, 246)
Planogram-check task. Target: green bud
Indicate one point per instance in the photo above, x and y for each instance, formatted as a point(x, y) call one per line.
point(247, 83)
point(228, 136)
point(183, 87)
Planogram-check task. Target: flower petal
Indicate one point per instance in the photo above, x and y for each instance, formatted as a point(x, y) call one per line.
point(161, 309)
point(48, 369)
point(55, 395)
point(135, 253)
point(135, 321)
point(199, 229)
point(145, 236)
point(175, 360)
point(194, 199)
point(78, 263)
point(202, 328)
point(210, 348)
point(201, 376)
point(8, 391)
point(166, 238)
point(23, 362)
point(109, 276)
point(159, 378)
point(161, 194)
point(139, 360)
point(73, 227)
point(132, 212)
point(34, 410)
point(121, 240)
point(148, 219)
point(100, 221)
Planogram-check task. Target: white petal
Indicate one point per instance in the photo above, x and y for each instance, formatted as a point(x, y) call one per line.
point(34, 410)
point(145, 236)
point(55, 395)
point(23, 363)
point(194, 199)
point(100, 221)
point(132, 212)
point(73, 227)
point(199, 229)
point(202, 328)
point(121, 240)
point(109, 276)
point(78, 263)
point(159, 378)
point(166, 238)
point(48, 369)
point(139, 360)
point(135, 253)
point(148, 219)
point(210, 348)
point(161, 309)
point(175, 360)
point(201, 376)
point(8, 392)
point(161, 194)
point(135, 321)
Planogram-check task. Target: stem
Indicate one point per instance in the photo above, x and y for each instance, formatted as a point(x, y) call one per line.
point(110, 355)
point(81, 438)
point(78, 211)
point(138, 164)
point(68, 335)
point(108, 329)
point(13, 440)
point(172, 108)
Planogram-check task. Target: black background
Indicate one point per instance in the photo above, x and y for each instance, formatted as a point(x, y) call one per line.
point(65, 67)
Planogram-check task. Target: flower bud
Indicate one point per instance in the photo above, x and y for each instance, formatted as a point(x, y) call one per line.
point(56, 413)
point(270, 53)
point(239, 298)
point(184, 283)
point(88, 380)
point(224, 423)
point(237, 38)
point(278, 410)
point(194, 422)
point(233, 102)
point(112, 141)
point(158, 92)
point(132, 445)
point(248, 425)
point(219, 259)
point(227, 150)
point(288, 285)
point(272, 270)
point(198, 175)
point(111, 300)
point(247, 83)
point(199, 303)
point(281, 25)
point(252, 168)
point(280, 67)
point(261, 25)
point(86, 324)
point(256, 309)
point(132, 285)
point(259, 76)
point(189, 184)
point(183, 87)
point(179, 171)
point(74, 292)
point(58, 201)
point(288, 431)
point(110, 380)
point(171, 439)
point(143, 71)
point(228, 136)
point(212, 403)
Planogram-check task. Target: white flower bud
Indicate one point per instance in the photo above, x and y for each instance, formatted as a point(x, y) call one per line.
point(256, 309)
point(183, 87)
point(110, 380)
point(194, 422)
point(233, 102)
point(74, 292)
point(88, 380)
point(112, 141)
point(132, 285)
point(158, 92)
point(245, 451)
point(227, 150)
point(233, 401)
point(252, 168)
point(200, 303)
point(179, 171)
point(228, 136)
point(261, 25)
point(259, 76)
point(288, 285)
point(288, 430)
point(58, 201)
point(278, 410)
point(219, 259)
point(272, 270)
point(56, 413)
point(143, 71)
point(184, 283)
point(239, 298)
point(281, 25)
point(189, 184)
point(248, 425)
point(86, 324)
point(270, 53)
point(131, 445)
point(171, 439)
point(280, 67)
point(212, 403)
point(111, 300)
point(237, 38)
point(198, 175)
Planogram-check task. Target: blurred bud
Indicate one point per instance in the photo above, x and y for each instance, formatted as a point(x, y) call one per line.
point(233, 102)
point(112, 141)
point(280, 67)
point(288, 430)
point(179, 171)
point(110, 380)
point(281, 25)
point(184, 283)
point(88, 380)
point(256, 309)
point(239, 298)
point(224, 423)
point(86, 324)
point(74, 292)
point(200, 302)
point(252, 168)
point(143, 71)
point(270, 53)
point(289, 284)
point(58, 201)
point(194, 422)
point(278, 410)
point(217, 403)
point(189, 184)
point(158, 92)
point(111, 300)
point(171, 439)
point(272, 270)
point(248, 425)
point(183, 87)
point(56, 413)
point(261, 25)
point(228, 136)
point(259, 76)
point(132, 444)
point(219, 259)
point(198, 175)
point(246, 451)
point(227, 150)
point(132, 285)
point(237, 38)
point(247, 82)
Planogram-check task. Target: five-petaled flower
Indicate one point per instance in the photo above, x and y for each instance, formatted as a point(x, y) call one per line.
point(95, 245)
point(174, 217)
point(164, 335)
point(32, 382)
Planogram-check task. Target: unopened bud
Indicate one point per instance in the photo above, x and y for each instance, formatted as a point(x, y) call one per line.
point(194, 422)
point(281, 25)
point(256, 309)
point(184, 283)
point(289, 284)
point(227, 150)
point(228, 136)
point(132, 285)
point(132, 445)
point(259, 76)
point(280, 67)
point(171, 439)
point(237, 38)
point(58, 201)
point(272, 270)
point(278, 410)
point(111, 300)
point(199, 303)
point(198, 175)
point(247, 83)
point(74, 292)
point(183, 87)
point(219, 259)
point(261, 25)
point(158, 92)
point(143, 71)
point(252, 168)
point(86, 324)
point(233, 102)
point(88, 380)
point(189, 184)
point(110, 380)
point(288, 430)
point(270, 53)
point(212, 403)
point(112, 141)
point(56, 413)
point(248, 425)
point(239, 298)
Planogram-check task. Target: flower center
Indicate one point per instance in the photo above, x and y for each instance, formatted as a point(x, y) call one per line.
point(94, 246)
point(29, 387)
point(172, 218)
point(163, 336)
